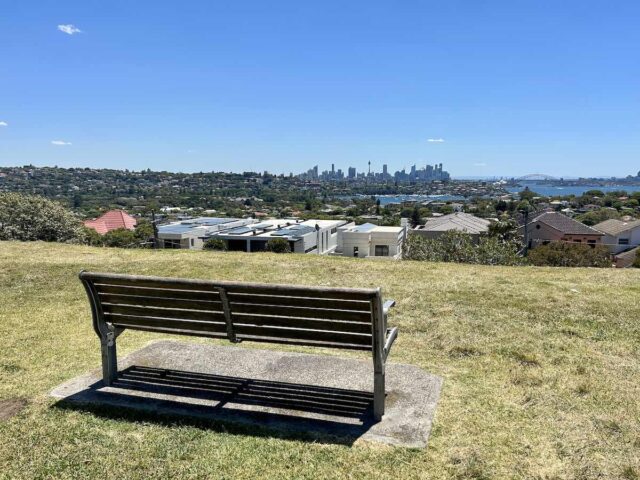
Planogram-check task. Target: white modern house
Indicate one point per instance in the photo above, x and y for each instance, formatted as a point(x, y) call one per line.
point(369, 240)
point(190, 233)
point(619, 235)
point(310, 236)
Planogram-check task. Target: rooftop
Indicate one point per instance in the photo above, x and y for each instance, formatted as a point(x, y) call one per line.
point(459, 221)
point(564, 224)
point(614, 226)
point(111, 220)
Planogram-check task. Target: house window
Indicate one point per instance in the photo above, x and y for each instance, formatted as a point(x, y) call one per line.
point(577, 240)
point(382, 251)
point(193, 242)
point(334, 230)
point(172, 244)
point(591, 243)
point(623, 241)
point(355, 251)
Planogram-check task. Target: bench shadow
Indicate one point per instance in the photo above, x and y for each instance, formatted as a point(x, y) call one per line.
point(172, 397)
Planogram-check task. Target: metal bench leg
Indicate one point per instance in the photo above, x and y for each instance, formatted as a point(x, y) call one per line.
point(378, 395)
point(109, 359)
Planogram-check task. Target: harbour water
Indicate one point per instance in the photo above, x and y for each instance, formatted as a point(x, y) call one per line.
point(552, 190)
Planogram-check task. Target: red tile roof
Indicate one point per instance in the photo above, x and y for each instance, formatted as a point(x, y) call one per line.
point(112, 220)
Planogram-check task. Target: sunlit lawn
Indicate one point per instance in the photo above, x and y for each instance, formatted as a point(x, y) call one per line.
point(541, 369)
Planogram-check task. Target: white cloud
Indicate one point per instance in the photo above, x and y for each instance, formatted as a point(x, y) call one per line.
point(69, 29)
point(60, 142)
point(435, 140)
point(4, 124)
point(480, 164)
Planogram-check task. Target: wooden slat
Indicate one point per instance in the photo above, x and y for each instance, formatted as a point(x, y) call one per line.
point(309, 343)
point(355, 305)
point(300, 334)
point(158, 292)
point(305, 292)
point(191, 333)
point(302, 323)
point(300, 312)
point(161, 302)
point(167, 324)
point(237, 287)
point(150, 282)
point(164, 313)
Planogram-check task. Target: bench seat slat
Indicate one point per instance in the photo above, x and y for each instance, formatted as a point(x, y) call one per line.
point(164, 313)
point(301, 334)
point(301, 312)
point(191, 333)
point(308, 343)
point(354, 305)
point(158, 292)
point(161, 302)
point(134, 322)
point(302, 323)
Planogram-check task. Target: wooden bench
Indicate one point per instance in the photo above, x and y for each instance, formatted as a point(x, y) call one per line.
point(347, 318)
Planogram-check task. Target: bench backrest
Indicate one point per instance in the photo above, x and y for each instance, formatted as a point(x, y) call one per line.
point(319, 316)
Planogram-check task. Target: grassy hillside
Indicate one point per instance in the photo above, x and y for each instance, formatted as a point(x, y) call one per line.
point(541, 368)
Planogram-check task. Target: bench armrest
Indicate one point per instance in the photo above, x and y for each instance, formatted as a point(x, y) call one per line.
point(391, 337)
point(387, 306)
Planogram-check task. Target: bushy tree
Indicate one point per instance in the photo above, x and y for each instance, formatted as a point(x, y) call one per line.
point(215, 244)
point(278, 245)
point(564, 254)
point(459, 247)
point(597, 216)
point(120, 237)
point(29, 217)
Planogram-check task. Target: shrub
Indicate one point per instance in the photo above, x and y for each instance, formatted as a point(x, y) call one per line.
point(563, 254)
point(459, 247)
point(120, 237)
point(215, 244)
point(30, 217)
point(278, 245)
point(636, 262)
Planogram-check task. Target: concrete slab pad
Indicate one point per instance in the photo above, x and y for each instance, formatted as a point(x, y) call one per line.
point(326, 397)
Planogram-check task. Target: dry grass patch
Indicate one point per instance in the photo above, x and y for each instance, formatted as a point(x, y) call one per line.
point(541, 369)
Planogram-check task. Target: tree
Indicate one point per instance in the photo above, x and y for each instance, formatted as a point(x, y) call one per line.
point(459, 247)
point(278, 245)
point(378, 206)
point(215, 244)
point(564, 254)
point(415, 217)
point(29, 217)
point(120, 237)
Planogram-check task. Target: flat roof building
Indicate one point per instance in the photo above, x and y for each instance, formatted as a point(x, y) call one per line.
point(369, 240)
point(190, 233)
point(310, 236)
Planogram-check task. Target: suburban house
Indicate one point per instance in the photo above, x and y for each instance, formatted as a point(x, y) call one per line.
point(190, 233)
point(310, 236)
point(627, 258)
point(550, 227)
point(458, 221)
point(111, 220)
point(369, 240)
point(619, 235)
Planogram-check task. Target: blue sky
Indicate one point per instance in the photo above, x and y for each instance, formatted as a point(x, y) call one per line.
point(511, 87)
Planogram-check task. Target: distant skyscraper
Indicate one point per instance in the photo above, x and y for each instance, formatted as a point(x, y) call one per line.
point(352, 172)
point(384, 170)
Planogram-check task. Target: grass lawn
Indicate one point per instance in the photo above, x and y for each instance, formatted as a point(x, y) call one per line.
point(541, 369)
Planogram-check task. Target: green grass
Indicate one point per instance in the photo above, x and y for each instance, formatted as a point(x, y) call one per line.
point(541, 369)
